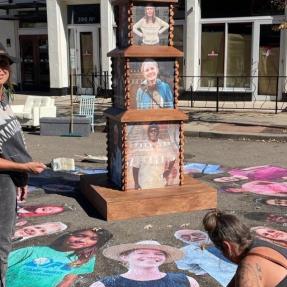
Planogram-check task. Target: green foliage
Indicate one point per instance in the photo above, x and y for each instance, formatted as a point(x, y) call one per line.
point(280, 5)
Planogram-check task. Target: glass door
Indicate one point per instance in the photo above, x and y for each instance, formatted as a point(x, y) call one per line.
point(87, 59)
point(268, 64)
point(35, 73)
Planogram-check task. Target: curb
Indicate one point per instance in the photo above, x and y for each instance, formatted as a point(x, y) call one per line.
point(239, 123)
point(266, 137)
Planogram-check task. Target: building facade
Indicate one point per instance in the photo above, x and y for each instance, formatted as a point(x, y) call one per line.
point(236, 50)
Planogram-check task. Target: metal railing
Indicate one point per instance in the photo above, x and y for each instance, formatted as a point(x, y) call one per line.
point(97, 84)
point(207, 92)
point(235, 92)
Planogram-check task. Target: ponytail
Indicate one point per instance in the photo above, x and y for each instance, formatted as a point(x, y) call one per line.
point(221, 227)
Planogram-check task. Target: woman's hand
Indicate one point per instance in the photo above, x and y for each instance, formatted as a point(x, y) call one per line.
point(35, 167)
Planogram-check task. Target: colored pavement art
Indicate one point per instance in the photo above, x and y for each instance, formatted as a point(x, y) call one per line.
point(49, 253)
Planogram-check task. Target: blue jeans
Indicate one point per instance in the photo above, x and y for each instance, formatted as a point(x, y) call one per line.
point(7, 221)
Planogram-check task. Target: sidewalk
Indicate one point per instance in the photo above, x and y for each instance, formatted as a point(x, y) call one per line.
point(237, 125)
point(231, 123)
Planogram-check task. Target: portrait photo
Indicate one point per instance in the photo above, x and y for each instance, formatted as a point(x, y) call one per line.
point(153, 155)
point(150, 25)
point(152, 84)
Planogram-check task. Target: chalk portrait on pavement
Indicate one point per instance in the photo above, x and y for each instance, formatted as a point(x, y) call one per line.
point(267, 217)
point(59, 264)
point(36, 230)
point(39, 210)
point(276, 236)
point(152, 84)
point(153, 152)
point(143, 260)
point(202, 257)
point(150, 25)
point(254, 173)
point(261, 187)
point(279, 202)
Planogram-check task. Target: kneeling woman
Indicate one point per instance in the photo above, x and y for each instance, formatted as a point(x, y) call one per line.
point(261, 263)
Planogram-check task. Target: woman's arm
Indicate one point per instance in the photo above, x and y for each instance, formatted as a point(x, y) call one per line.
point(136, 28)
point(33, 167)
point(163, 26)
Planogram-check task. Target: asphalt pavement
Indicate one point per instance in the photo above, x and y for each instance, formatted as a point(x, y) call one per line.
point(219, 141)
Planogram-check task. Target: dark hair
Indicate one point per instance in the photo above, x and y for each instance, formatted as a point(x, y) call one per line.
point(222, 226)
point(153, 17)
point(86, 253)
point(5, 63)
point(153, 125)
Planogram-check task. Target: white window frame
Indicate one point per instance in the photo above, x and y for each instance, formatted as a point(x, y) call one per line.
point(256, 22)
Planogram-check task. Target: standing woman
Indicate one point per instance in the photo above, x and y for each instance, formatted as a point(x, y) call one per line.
point(260, 263)
point(150, 27)
point(15, 163)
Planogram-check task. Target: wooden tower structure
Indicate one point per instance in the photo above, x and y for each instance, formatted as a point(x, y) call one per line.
point(145, 141)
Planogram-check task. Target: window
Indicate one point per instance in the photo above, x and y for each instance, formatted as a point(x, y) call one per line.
point(238, 55)
point(227, 57)
point(212, 53)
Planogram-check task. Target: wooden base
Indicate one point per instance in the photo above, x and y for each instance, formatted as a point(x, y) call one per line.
point(113, 204)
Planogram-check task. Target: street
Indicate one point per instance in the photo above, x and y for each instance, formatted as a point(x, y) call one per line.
point(79, 214)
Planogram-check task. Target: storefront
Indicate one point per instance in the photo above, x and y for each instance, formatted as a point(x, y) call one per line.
point(80, 36)
point(235, 48)
point(23, 27)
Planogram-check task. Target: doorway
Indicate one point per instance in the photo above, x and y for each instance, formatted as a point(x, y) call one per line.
point(87, 58)
point(34, 62)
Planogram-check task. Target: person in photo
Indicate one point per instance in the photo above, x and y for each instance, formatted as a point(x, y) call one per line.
point(150, 27)
point(270, 234)
point(143, 260)
point(39, 210)
point(153, 167)
point(37, 230)
point(59, 264)
point(153, 93)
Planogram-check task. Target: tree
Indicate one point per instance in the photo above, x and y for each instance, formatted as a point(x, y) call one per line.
point(281, 5)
